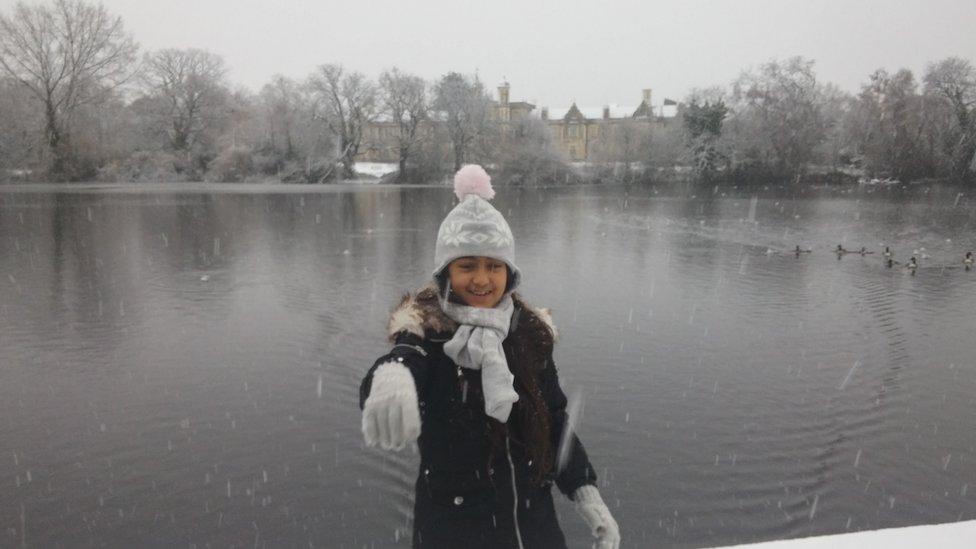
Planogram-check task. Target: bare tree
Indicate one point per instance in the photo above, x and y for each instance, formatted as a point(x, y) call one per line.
point(467, 109)
point(236, 128)
point(670, 143)
point(405, 100)
point(292, 138)
point(886, 128)
point(346, 102)
point(282, 103)
point(67, 54)
point(623, 147)
point(835, 107)
point(187, 95)
point(954, 80)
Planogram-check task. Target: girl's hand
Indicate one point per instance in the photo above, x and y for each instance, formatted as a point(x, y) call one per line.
point(590, 506)
point(391, 417)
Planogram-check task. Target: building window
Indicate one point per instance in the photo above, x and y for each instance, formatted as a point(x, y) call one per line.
point(573, 130)
point(572, 153)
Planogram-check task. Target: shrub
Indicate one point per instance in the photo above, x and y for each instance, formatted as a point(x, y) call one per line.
point(232, 165)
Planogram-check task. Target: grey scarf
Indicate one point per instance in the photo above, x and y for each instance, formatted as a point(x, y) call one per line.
point(477, 345)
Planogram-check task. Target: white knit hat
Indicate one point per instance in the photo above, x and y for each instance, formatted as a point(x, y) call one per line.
point(474, 227)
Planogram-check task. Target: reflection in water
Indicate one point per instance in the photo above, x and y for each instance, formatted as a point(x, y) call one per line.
point(183, 368)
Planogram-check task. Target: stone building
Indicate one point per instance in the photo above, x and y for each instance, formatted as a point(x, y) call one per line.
point(604, 133)
point(607, 133)
point(507, 111)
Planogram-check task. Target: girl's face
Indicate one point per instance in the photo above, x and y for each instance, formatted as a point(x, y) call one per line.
point(479, 281)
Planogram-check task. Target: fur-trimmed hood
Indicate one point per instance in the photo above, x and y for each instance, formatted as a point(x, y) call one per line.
point(420, 314)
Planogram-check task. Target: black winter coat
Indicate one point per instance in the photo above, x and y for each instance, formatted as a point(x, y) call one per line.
point(464, 498)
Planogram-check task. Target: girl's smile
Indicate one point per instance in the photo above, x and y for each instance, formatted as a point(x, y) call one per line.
point(478, 281)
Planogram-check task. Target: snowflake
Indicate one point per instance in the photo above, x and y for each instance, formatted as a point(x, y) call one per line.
point(454, 234)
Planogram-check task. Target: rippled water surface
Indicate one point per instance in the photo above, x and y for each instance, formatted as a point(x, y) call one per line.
point(181, 367)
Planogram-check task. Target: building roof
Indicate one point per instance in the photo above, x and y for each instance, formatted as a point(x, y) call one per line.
point(616, 111)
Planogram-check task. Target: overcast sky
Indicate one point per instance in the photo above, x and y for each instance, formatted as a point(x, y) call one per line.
point(555, 52)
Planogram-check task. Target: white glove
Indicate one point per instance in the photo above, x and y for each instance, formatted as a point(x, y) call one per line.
point(391, 417)
point(590, 506)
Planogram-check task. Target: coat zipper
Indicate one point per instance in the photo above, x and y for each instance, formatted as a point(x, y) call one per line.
point(417, 348)
point(511, 468)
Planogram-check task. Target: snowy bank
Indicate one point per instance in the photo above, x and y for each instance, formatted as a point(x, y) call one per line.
point(375, 169)
point(944, 536)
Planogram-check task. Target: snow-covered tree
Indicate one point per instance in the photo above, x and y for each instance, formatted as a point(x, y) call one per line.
point(888, 127)
point(283, 104)
point(21, 120)
point(346, 102)
point(703, 123)
point(405, 100)
point(187, 95)
point(527, 155)
point(778, 115)
point(466, 108)
point(953, 80)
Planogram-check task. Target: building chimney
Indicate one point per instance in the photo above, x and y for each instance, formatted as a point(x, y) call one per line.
point(545, 113)
point(606, 112)
point(647, 97)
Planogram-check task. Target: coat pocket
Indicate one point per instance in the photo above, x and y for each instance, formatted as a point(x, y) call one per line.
point(458, 509)
point(458, 491)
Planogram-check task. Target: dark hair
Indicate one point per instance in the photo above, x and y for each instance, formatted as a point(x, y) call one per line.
point(528, 352)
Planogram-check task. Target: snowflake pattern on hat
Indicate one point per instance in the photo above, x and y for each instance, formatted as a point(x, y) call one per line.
point(455, 234)
point(477, 210)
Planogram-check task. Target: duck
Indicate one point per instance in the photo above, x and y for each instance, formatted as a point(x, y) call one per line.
point(912, 264)
point(887, 253)
point(799, 251)
point(968, 260)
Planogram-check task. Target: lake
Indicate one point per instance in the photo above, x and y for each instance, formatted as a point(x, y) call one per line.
point(179, 365)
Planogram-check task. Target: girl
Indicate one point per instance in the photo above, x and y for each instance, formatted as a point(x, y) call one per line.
point(471, 374)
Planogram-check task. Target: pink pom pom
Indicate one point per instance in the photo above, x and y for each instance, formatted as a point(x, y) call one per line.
point(472, 179)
